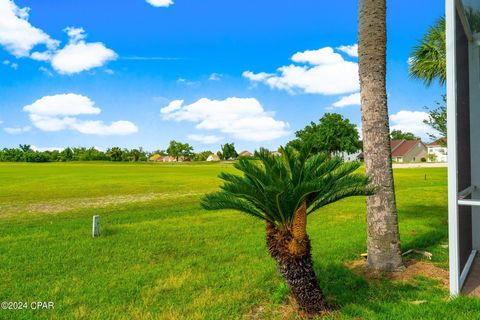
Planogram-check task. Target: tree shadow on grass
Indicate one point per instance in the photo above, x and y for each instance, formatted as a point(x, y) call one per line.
point(354, 294)
point(425, 240)
point(425, 227)
point(423, 211)
point(343, 286)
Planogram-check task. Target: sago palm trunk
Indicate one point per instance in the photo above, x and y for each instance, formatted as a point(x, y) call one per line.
point(383, 237)
point(292, 252)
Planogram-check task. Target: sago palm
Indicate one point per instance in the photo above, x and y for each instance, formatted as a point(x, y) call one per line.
point(283, 191)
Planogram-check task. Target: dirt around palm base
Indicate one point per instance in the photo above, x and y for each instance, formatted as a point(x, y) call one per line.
point(413, 268)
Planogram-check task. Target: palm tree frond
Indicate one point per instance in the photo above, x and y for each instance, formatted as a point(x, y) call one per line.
point(428, 59)
point(273, 188)
point(223, 200)
point(353, 185)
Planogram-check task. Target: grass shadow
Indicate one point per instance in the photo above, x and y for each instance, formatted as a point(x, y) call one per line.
point(357, 295)
point(424, 211)
point(353, 295)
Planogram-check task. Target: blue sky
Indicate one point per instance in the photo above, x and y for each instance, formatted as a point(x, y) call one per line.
point(133, 73)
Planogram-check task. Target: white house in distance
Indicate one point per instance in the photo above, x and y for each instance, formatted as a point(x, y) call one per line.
point(349, 157)
point(439, 151)
point(213, 157)
point(463, 113)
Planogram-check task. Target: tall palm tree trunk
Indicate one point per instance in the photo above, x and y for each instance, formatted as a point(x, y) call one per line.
point(382, 222)
point(291, 250)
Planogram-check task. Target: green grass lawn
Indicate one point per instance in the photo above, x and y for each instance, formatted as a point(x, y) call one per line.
point(160, 256)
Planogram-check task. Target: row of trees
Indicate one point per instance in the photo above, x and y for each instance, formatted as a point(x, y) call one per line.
point(184, 150)
point(332, 134)
point(180, 150)
point(25, 153)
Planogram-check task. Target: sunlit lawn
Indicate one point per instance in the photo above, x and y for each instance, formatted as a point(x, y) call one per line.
point(162, 257)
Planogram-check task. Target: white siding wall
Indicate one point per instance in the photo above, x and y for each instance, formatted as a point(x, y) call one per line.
point(440, 152)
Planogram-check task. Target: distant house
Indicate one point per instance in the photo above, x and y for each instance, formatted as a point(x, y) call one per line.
point(167, 159)
point(154, 157)
point(276, 153)
point(160, 158)
point(408, 150)
point(213, 157)
point(349, 157)
point(438, 150)
point(245, 154)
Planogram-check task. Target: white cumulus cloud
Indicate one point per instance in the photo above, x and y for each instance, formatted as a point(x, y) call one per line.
point(50, 123)
point(215, 76)
point(20, 38)
point(205, 139)
point(188, 82)
point(59, 112)
point(352, 50)
point(17, 35)
point(261, 76)
point(242, 118)
point(120, 128)
point(326, 72)
point(318, 57)
point(350, 100)
point(41, 56)
point(160, 3)
point(67, 104)
point(78, 55)
point(12, 65)
point(17, 130)
point(75, 34)
point(46, 71)
point(172, 106)
point(410, 121)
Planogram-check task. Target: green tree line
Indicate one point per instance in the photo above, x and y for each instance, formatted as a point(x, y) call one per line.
point(24, 153)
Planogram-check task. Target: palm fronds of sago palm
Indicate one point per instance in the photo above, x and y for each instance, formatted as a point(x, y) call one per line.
point(283, 191)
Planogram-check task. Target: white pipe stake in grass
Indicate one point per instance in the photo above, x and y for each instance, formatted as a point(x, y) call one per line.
point(96, 226)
